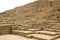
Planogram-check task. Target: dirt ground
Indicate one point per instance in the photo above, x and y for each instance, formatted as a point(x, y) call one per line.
point(13, 37)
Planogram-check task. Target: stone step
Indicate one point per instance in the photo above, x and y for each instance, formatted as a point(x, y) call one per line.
point(47, 32)
point(43, 36)
point(23, 31)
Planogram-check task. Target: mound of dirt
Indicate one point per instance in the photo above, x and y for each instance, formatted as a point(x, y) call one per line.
point(29, 15)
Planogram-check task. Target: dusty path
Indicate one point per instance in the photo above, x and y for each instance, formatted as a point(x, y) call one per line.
point(13, 37)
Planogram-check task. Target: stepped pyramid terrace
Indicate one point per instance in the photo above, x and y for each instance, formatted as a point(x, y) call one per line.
point(38, 20)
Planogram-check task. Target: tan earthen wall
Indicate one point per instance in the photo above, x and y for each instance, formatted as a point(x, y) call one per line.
point(47, 3)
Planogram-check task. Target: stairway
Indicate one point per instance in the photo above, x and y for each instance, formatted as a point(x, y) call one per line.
point(38, 34)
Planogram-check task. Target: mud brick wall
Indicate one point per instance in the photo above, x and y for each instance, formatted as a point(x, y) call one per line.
point(48, 3)
point(43, 4)
point(56, 3)
point(26, 17)
point(5, 30)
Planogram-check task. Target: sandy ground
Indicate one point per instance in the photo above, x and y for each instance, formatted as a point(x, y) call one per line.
point(57, 39)
point(13, 37)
